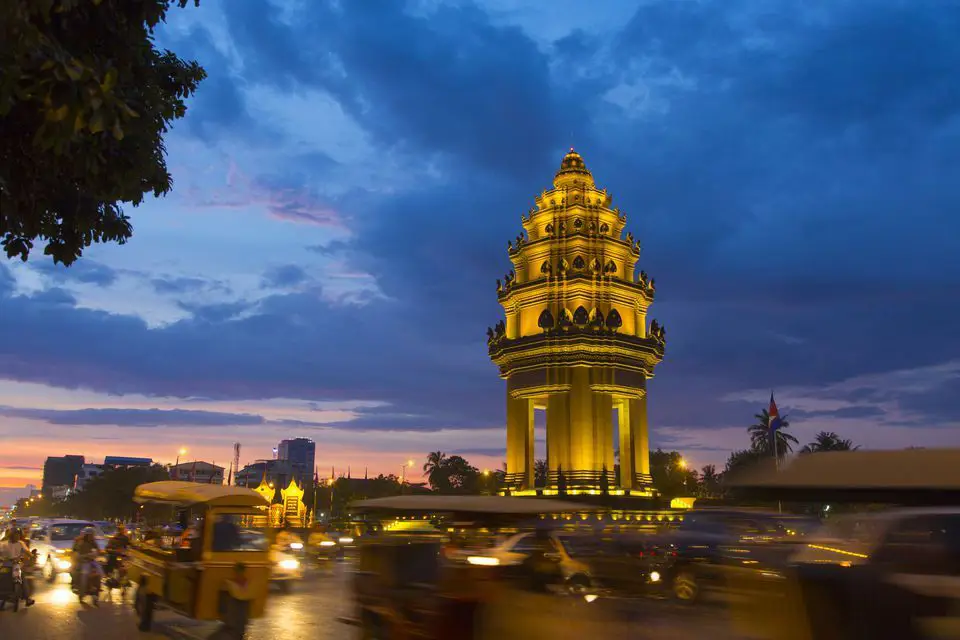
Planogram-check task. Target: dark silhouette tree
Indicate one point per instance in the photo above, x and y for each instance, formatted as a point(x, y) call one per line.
point(828, 441)
point(433, 469)
point(85, 100)
point(760, 435)
point(710, 482)
point(561, 482)
point(540, 472)
point(604, 481)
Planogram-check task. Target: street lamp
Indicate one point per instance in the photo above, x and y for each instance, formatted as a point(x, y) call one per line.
point(181, 452)
point(403, 471)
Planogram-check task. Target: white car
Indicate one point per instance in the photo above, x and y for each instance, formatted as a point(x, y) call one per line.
point(53, 541)
point(515, 549)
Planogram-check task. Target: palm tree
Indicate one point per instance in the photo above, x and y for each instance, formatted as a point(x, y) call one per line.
point(760, 435)
point(435, 460)
point(828, 441)
point(540, 472)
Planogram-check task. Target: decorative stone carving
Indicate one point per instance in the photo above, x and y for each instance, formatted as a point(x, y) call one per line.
point(581, 317)
point(597, 322)
point(549, 228)
point(499, 285)
point(546, 321)
point(546, 269)
point(604, 228)
point(577, 223)
point(610, 267)
point(579, 264)
point(614, 321)
point(565, 319)
point(595, 265)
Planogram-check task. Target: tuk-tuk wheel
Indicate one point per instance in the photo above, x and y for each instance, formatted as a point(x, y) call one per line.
point(373, 629)
point(143, 604)
point(286, 586)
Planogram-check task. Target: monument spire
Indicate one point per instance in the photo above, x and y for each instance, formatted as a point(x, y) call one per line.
point(574, 339)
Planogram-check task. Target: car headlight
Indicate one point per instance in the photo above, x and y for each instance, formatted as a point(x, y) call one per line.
point(654, 576)
point(64, 565)
point(327, 543)
point(296, 545)
point(59, 551)
point(346, 540)
point(483, 561)
point(289, 564)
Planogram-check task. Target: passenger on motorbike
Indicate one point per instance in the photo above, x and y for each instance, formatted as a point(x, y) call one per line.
point(116, 549)
point(14, 549)
point(287, 539)
point(86, 550)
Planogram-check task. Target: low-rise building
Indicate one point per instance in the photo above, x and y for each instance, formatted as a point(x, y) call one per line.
point(88, 472)
point(121, 462)
point(276, 472)
point(198, 471)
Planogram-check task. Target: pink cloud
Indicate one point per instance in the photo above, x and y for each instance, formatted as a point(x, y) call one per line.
point(297, 205)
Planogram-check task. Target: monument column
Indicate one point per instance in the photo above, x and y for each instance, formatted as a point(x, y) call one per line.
point(519, 442)
point(558, 434)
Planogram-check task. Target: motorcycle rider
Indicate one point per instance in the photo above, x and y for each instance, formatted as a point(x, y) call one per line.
point(286, 537)
point(86, 549)
point(116, 549)
point(14, 549)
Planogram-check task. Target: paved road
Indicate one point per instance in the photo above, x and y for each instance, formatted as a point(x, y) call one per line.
point(311, 612)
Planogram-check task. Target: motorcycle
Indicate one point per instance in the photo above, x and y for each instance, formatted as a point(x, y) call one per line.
point(116, 577)
point(11, 583)
point(92, 581)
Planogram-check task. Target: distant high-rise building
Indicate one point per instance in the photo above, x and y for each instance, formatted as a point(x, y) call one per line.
point(61, 471)
point(301, 454)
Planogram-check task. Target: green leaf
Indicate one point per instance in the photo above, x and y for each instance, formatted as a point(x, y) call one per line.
point(117, 130)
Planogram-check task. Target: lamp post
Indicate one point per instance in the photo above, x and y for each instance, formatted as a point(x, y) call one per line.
point(403, 471)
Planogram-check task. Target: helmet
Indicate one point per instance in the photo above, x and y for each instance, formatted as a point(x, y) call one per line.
point(89, 531)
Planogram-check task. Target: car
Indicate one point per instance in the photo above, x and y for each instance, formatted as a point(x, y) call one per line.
point(727, 552)
point(53, 541)
point(624, 564)
point(891, 574)
point(512, 552)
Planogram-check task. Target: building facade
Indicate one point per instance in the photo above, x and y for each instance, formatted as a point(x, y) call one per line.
point(61, 471)
point(87, 473)
point(575, 341)
point(276, 472)
point(122, 462)
point(198, 471)
point(300, 453)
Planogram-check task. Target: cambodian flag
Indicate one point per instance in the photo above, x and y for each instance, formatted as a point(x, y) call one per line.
point(773, 424)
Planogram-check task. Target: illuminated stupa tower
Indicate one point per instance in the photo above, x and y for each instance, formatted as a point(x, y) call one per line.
point(575, 341)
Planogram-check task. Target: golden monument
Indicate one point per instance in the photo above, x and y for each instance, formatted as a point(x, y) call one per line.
point(575, 342)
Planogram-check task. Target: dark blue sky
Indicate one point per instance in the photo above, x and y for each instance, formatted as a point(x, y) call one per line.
point(349, 174)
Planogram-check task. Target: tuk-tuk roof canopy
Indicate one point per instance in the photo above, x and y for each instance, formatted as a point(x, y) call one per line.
point(472, 504)
point(900, 475)
point(189, 493)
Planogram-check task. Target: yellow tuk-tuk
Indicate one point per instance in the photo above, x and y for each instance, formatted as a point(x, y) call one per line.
point(219, 569)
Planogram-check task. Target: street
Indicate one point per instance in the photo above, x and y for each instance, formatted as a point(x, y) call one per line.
point(312, 610)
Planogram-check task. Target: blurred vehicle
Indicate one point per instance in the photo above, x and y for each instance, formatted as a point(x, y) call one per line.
point(105, 527)
point(223, 574)
point(513, 551)
point(286, 570)
point(628, 565)
point(53, 541)
point(406, 586)
point(11, 583)
point(890, 574)
point(727, 551)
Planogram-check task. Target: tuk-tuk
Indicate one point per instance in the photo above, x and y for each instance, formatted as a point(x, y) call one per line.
point(406, 584)
point(218, 570)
